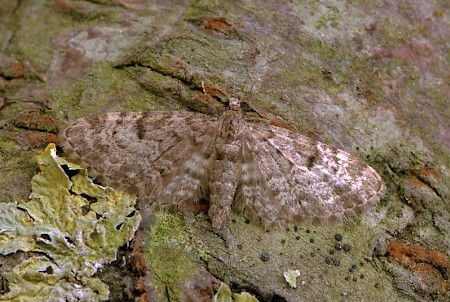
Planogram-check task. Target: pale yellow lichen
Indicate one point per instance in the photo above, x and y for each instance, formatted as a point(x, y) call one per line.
point(224, 294)
point(70, 238)
point(291, 277)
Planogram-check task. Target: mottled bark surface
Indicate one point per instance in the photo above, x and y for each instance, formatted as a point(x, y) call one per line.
point(371, 78)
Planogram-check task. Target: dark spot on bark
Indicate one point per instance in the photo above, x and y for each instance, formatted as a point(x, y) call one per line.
point(264, 257)
point(347, 247)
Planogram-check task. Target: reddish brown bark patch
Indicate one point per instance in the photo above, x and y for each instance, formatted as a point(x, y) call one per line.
point(217, 24)
point(426, 266)
point(36, 121)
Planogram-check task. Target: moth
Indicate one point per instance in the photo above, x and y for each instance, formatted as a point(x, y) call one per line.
point(269, 174)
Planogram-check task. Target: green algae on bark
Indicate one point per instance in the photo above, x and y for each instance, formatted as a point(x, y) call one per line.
point(169, 254)
point(69, 229)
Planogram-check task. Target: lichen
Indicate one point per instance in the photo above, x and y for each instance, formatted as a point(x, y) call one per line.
point(224, 294)
point(291, 277)
point(68, 237)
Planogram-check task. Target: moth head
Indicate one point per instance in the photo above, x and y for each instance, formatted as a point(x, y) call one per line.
point(234, 104)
